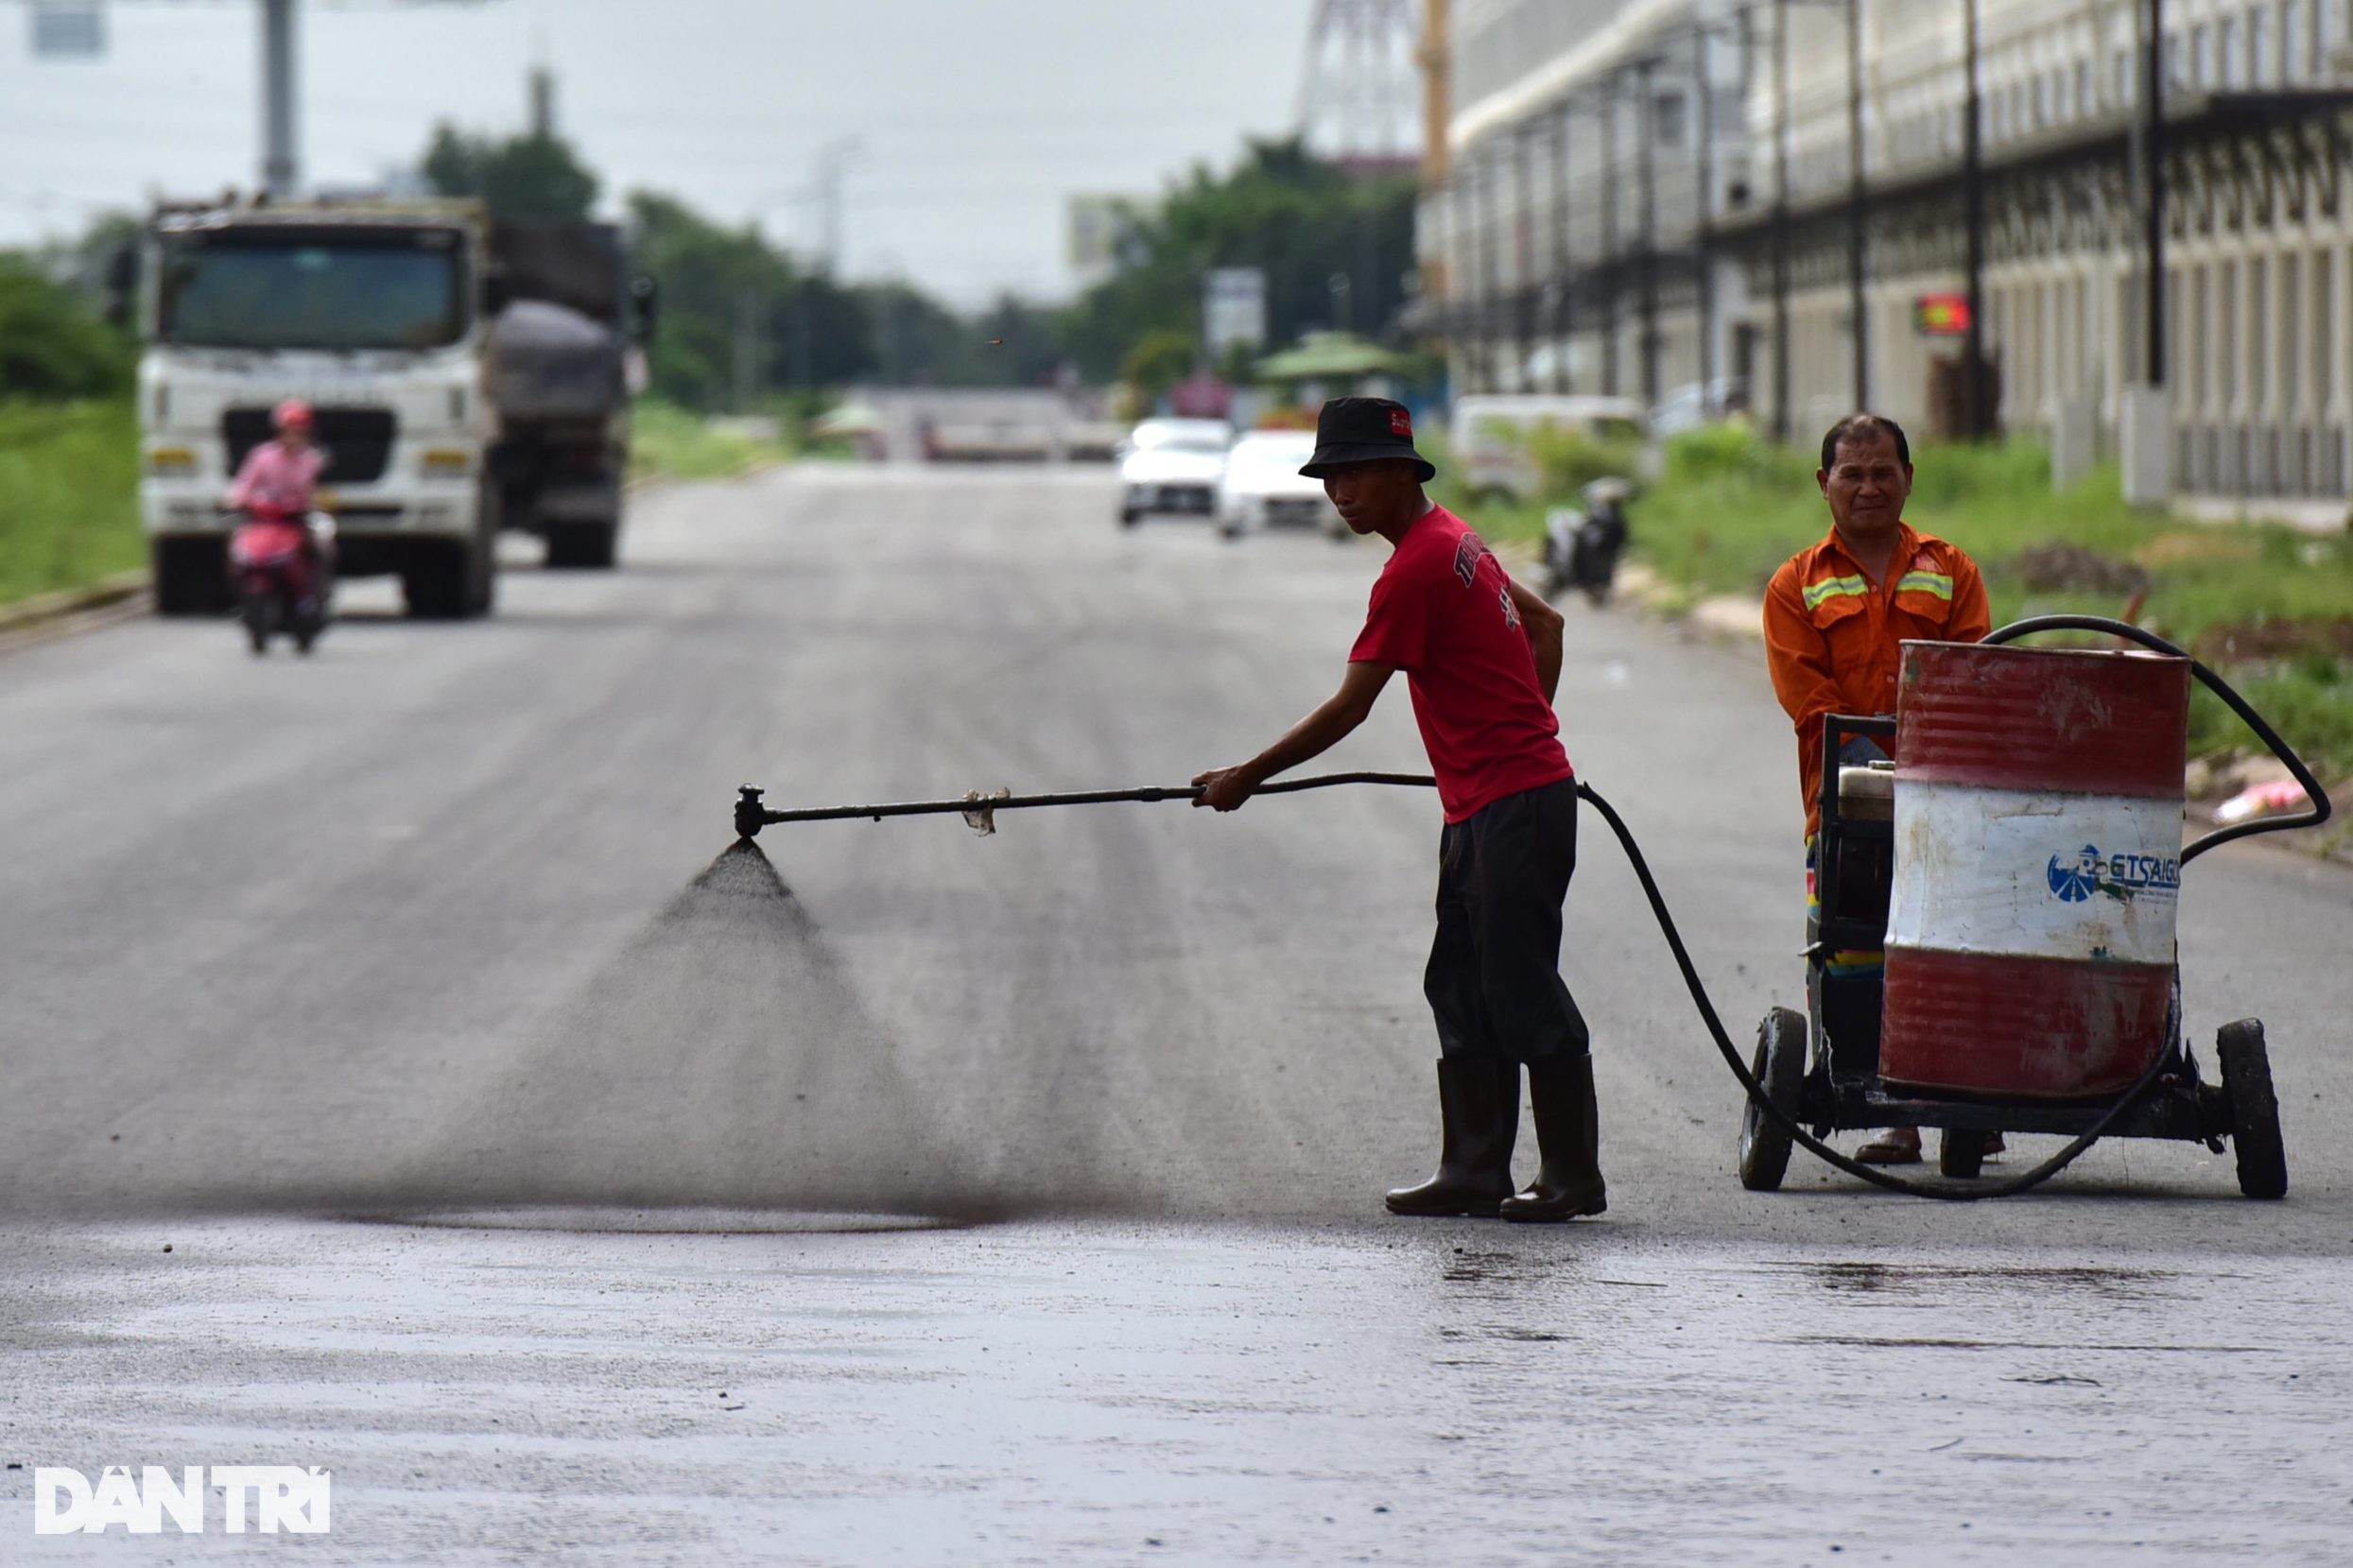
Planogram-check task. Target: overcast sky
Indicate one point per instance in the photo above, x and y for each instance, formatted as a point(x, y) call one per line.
point(973, 120)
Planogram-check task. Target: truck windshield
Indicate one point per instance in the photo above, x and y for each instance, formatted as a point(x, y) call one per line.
point(295, 291)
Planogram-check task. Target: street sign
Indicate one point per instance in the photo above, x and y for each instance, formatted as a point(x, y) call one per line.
point(69, 29)
point(1233, 308)
point(1942, 315)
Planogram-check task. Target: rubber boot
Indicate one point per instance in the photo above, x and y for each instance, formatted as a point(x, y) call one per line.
point(1569, 1183)
point(1479, 1111)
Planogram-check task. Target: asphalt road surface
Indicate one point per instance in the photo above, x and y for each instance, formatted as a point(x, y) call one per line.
point(576, 1189)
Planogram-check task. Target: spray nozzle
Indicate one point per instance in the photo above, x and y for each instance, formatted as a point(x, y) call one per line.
point(751, 815)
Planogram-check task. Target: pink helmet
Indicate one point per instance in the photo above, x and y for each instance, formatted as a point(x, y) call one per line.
point(292, 411)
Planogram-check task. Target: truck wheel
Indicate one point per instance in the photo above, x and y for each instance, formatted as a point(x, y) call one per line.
point(1780, 1066)
point(442, 581)
point(191, 576)
point(481, 573)
point(2254, 1109)
point(481, 553)
point(581, 544)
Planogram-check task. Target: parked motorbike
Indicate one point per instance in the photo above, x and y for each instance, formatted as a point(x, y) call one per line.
point(1582, 547)
point(284, 570)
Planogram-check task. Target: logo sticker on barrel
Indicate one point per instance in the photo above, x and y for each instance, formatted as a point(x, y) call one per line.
point(2117, 876)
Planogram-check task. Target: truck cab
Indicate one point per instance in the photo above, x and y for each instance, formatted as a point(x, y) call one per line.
point(373, 313)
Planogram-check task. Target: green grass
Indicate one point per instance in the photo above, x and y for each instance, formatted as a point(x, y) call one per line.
point(2309, 703)
point(2260, 601)
point(671, 443)
point(69, 496)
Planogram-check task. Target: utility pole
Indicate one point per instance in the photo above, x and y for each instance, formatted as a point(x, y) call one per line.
point(543, 103)
point(1610, 258)
point(1781, 219)
point(1702, 51)
point(747, 365)
point(1523, 249)
point(832, 160)
point(2144, 414)
point(1646, 258)
point(1973, 422)
point(2152, 169)
point(1564, 253)
point(280, 162)
point(1484, 217)
point(1856, 236)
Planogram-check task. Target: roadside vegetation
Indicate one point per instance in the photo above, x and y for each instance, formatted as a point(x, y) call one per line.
point(69, 447)
point(2269, 606)
point(69, 486)
point(671, 443)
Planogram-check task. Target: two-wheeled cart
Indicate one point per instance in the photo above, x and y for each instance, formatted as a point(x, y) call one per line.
point(1991, 949)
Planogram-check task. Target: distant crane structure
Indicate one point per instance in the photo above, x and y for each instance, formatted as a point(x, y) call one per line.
point(1361, 99)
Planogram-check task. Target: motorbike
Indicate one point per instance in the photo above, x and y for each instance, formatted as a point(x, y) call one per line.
point(284, 565)
point(1582, 547)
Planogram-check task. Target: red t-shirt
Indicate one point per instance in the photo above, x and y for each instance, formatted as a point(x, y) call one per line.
point(1440, 613)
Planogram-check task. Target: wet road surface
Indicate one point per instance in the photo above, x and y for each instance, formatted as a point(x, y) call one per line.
point(1133, 1393)
point(295, 954)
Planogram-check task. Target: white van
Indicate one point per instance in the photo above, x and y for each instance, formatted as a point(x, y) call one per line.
point(1490, 434)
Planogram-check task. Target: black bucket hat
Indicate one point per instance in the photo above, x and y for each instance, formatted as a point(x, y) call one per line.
point(1364, 430)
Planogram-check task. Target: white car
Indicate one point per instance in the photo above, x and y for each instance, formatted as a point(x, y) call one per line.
point(1264, 488)
point(1172, 465)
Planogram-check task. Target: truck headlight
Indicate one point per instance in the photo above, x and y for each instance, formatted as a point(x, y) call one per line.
point(172, 462)
point(445, 463)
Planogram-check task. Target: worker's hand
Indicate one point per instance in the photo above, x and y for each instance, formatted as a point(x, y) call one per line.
point(1226, 788)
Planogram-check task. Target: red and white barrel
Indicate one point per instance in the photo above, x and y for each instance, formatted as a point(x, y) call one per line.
point(2039, 821)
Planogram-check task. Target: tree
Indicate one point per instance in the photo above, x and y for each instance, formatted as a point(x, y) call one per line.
point(807, 331)
point(1305, 221)
point(1158, 362)
point(53, 344)
point(532, 177)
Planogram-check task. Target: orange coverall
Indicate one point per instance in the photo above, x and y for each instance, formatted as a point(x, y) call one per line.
point(1831, 636)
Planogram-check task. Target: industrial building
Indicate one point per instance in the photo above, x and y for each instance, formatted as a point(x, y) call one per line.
point(1780, 205)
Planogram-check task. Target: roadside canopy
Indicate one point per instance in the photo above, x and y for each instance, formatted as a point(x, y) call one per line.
point(1329, 356)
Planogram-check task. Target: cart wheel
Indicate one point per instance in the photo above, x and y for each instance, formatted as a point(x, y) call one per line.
point(1961, 1153)
point(2254, 1109)
point(1780, 1066)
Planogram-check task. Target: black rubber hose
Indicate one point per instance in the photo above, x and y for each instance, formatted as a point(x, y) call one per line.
point(751, 816)
point(1950, 1191)
point(2319, 808)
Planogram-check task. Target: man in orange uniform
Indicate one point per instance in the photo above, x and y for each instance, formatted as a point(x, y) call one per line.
point(1835, 615)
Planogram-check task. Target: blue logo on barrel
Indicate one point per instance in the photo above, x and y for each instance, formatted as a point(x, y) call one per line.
point(2075, 884)
point(2119, 876)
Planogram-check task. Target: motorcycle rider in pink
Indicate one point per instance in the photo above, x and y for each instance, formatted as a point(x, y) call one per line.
point(280, 477)
point(276, 486)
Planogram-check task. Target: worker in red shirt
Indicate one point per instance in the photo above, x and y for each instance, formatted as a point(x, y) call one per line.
point(1482, 658)
point(1836, 615)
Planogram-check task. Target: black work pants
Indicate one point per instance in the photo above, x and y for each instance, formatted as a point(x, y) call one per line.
point(1493, 979)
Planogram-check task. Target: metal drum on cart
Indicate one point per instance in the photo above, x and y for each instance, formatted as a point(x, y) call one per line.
point(2039, 822)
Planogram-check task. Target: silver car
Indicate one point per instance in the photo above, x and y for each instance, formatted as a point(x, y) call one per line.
point(1172, 466)
point(1264, 488)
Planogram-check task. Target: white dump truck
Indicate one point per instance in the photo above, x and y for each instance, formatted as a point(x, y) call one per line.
point(464, 375)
